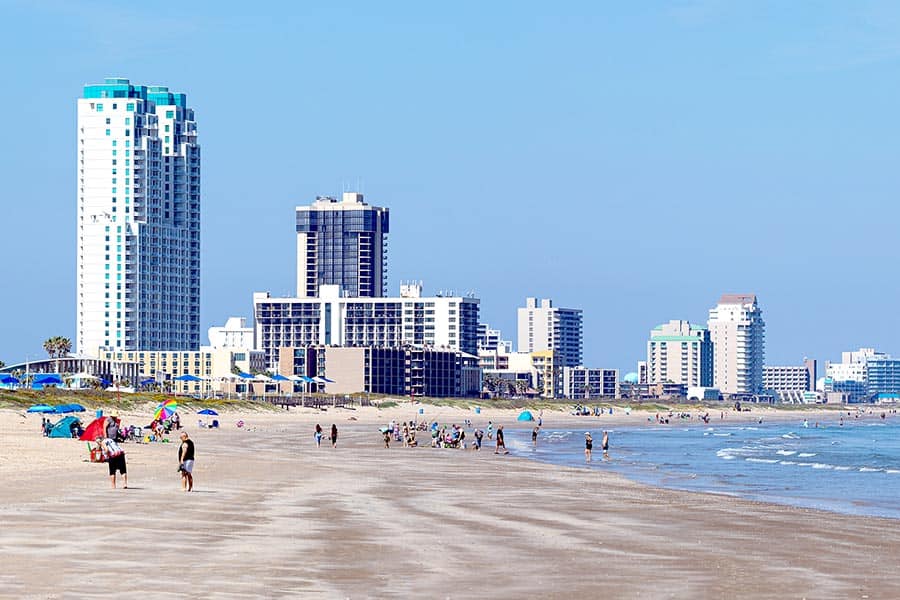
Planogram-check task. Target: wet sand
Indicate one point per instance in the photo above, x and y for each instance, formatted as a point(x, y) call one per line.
point(273, 516)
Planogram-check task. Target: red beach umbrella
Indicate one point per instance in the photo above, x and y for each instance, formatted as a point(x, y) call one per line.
point(96, 428)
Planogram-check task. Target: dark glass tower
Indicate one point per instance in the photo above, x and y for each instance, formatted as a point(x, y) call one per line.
point(342, 243)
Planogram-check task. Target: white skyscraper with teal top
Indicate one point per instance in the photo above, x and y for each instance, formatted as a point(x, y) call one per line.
point(138, 182)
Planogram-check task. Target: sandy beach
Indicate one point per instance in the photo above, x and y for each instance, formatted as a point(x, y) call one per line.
point(274, 516)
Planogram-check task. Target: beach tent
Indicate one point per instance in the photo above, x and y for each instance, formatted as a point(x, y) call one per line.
point(40, 408)
point(525, 415)
point(63, 428)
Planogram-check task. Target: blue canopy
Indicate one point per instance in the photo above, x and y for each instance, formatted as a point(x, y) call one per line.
point(207, 411)
point(279, 377)
point(105, 382)
point(308, 379)
point(40, 408)
point(68, 408)
point(243, 375)
point(6, 378)
point(147, 382)
point(188, 377)
point(326, 380)
point(525, 415)
point(48, 378)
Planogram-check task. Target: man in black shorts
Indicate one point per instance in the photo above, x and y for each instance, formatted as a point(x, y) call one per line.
point(186, 462)
point(115, 458)
point(501, 444)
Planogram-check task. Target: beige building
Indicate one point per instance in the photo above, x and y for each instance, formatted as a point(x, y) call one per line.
point(737, 331)
point(680, 352)
point(214, 366)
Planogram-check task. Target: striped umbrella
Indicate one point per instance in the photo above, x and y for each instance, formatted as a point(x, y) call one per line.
point(165, 410)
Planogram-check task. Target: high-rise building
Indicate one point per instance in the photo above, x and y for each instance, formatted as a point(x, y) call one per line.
point(138, 219)
point(680, 352)
point(342, 243)
point(737, 331)
point(543, 326)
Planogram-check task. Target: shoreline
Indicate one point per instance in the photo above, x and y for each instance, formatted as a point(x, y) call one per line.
point(275, 516)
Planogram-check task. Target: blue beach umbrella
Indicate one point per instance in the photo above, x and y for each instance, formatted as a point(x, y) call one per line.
point(208, 411)
point(40, 408)
point(7, 379)
point(188, 377)
point(63, 409)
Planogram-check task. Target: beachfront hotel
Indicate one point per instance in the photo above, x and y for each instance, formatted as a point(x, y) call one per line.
point(138, 219)
point(542, 326)
point(680, 352)
point(344, 243)
point(737, 331)
point(334, 319)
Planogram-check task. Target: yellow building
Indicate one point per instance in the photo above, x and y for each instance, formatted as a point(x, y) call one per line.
point(212, 365)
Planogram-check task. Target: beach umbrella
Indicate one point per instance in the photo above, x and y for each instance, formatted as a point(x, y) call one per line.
point(150, 381)
point(95, 429)
point(208, 411)
point(165, 410)
point(76, 407)
point(40, 408)
point(105, 382)
point(48, 379)
point(6, 378)
point(63, 409)
point(279, 377)
point(188, 377)
point(243, 375)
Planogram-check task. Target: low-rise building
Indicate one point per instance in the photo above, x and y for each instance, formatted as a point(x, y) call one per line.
point(438, 322)
point(214, 367)
point(586, 383)
point(789, 383)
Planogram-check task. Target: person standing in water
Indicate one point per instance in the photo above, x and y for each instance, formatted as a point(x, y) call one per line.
point(604, 444)
point(534, 435)
point(588, 446)
point(500, 442)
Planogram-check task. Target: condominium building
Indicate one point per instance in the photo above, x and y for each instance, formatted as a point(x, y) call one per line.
point(849, 378)
point(138, 219)
point(392, 371)
point(586, 383)
point(492, 339)
point(542, 326)
point(234, 334)
point(449, 323)
point(344, 243)
point(737, 331)
point(680, 352)
point(882, 376)
point(796, 378)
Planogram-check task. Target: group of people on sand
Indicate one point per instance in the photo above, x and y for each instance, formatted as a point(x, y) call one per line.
point(111, 452)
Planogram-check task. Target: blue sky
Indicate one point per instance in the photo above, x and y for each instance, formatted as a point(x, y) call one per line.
point(635, 160)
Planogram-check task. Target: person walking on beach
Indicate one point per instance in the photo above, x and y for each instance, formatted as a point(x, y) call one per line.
point(604, 444)
point(115, 458)
point(318, 436)
point(333, 435)
point(588, 446)
point(186, 460)
point(500, 442)
point(479, 435)
point(534, 434)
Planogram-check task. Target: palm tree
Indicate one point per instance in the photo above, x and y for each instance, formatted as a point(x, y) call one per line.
point(57, 347)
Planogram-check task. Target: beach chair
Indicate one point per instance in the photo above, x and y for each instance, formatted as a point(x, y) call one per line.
point(214, 424)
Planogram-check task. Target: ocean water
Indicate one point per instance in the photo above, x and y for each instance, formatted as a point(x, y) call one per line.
point(853, 469)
